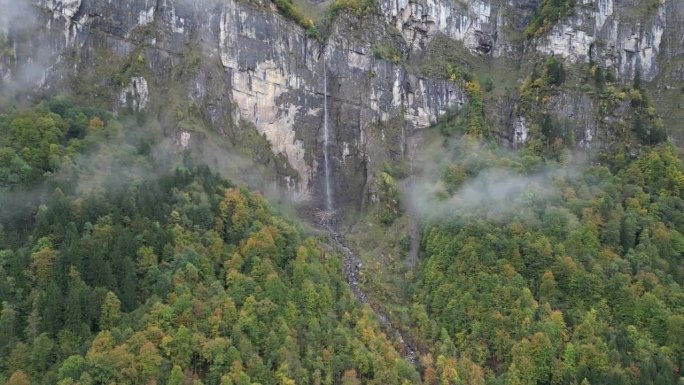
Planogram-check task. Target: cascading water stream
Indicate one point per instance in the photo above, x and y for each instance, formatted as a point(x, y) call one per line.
point(326, 157)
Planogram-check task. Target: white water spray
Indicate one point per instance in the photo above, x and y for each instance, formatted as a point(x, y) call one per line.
point(326, 160)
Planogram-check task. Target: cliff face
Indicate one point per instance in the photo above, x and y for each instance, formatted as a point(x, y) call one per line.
point(276, 77)
point(620, 35)
point(242, 66)
point(484, 27)
point(251, 74)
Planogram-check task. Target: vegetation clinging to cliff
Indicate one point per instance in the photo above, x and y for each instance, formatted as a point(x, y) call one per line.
point(548, 14)
point(291, 11)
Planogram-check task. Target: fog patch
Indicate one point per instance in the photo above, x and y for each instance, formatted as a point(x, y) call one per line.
point(496, 184)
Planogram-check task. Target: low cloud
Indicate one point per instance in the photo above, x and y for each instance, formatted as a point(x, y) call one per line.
point(16, 15)
point(493, 192)
point(24, 56)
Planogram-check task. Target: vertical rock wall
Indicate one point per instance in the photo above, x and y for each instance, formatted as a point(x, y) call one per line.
point(237, 66)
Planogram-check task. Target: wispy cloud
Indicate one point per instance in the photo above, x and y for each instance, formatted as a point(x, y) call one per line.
point(490, 189)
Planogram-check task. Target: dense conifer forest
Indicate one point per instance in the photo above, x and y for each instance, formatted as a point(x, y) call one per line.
point(124, 264)
point(143, 273)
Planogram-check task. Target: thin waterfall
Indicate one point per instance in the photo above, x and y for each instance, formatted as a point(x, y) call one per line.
point(326, 158)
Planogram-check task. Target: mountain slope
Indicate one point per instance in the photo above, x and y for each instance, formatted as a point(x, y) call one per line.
point(133, 273)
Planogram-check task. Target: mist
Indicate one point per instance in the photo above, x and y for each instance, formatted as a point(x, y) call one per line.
point(23, 81)
point(16, 15)
point(490, 189)
point(229, 162)
point(25, 58)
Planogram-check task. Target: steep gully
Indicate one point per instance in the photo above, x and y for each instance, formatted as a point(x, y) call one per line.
point(352, 263)
point(352, 267)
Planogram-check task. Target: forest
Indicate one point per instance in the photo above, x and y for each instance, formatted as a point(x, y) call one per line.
point(119, 265)
point(341, 192)
point(125, 268)
point(551, 264)
point(573, 278)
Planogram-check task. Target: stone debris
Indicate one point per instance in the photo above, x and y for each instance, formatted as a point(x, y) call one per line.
point(352, 272)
